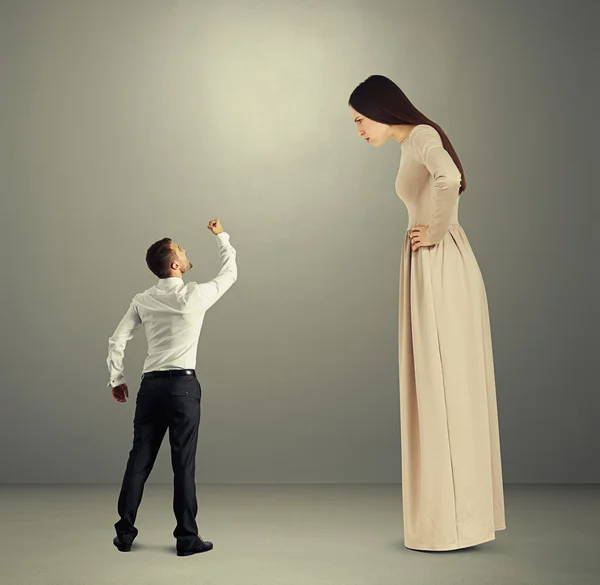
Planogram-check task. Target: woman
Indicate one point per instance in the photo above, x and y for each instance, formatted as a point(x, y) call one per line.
point(451, 468)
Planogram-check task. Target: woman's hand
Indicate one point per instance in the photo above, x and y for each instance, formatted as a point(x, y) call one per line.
point(418, 237)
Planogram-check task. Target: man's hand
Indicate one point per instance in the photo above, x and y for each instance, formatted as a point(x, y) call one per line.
point(418, 237)
point(214, 225)
point(120, 393)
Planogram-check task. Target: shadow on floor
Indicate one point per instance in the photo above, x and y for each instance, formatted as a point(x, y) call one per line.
point(152, 547)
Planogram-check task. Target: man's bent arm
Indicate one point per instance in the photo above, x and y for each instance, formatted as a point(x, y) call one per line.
point(211, 291)
point(116, 345)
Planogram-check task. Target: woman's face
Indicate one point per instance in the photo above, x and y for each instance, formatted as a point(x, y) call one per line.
point(373, 132)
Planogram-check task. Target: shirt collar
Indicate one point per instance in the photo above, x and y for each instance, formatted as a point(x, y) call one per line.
point(169, 282)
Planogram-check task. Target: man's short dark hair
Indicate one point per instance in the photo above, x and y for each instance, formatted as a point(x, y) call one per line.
point(159, 257)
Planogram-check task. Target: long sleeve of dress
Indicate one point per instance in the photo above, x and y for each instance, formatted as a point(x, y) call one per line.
point(429, 150)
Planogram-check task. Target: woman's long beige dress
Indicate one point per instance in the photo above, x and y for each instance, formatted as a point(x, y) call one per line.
point(452, 490)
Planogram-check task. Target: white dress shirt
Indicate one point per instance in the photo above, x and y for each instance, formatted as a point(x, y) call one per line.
point(172, 313)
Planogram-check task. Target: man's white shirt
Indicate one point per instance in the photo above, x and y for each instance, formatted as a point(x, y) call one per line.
point(171, 313)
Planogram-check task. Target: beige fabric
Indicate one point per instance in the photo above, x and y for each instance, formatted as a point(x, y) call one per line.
point(451, 469)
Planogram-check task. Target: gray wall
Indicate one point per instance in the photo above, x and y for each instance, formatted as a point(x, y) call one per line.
point(130, 121)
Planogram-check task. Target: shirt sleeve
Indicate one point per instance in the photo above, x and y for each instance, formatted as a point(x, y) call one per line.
point(116, 345)
point(210, 292)
point(429, 150)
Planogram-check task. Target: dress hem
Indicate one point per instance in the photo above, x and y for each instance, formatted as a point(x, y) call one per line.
point(455, 546)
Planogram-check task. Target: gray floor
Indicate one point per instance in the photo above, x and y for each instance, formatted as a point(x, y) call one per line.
point(290, 535)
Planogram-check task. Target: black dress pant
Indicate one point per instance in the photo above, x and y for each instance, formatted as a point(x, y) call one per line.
point(164, 403)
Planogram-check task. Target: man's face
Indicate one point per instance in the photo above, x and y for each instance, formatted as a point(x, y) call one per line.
point(181, 261)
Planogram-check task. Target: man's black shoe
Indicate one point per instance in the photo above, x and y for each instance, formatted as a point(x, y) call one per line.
point(123, 547)
point(200, 547)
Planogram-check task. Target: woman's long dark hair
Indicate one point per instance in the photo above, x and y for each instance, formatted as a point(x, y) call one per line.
point(380, 99)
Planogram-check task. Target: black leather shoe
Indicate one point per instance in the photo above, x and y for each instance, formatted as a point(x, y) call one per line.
point(121, 545)
point(201, 546)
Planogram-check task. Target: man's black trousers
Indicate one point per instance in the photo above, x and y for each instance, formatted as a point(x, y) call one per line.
point(166, 400)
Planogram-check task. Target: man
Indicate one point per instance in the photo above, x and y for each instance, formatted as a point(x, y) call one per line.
point(169, 397)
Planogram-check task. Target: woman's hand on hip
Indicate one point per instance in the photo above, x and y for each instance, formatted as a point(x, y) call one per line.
point(418, 237)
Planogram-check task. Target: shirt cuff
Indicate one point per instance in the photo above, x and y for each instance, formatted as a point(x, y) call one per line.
point(223, 237)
